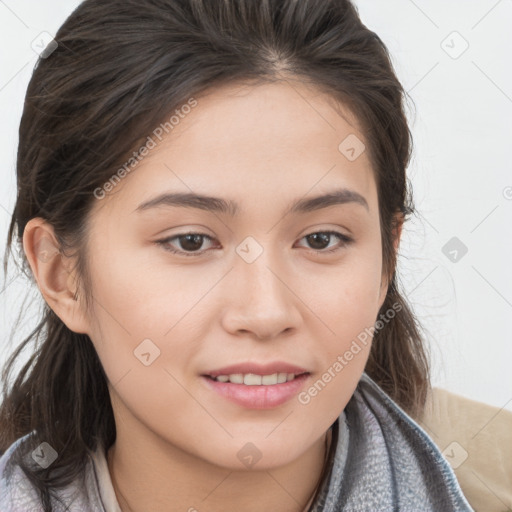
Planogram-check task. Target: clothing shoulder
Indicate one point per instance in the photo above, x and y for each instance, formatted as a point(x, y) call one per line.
point(477, 440)
point(17, 494)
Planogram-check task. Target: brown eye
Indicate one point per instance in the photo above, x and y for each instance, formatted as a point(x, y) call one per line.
point(320, 240)
point(189, 244)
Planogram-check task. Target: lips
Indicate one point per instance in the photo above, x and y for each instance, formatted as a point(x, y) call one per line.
point(257, 386)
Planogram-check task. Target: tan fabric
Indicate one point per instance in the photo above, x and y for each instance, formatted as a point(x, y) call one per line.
point(476, 439)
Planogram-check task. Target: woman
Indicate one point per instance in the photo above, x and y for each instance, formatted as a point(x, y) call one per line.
point(210, 200)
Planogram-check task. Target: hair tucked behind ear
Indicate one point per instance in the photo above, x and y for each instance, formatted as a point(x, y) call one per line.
point(120, 68)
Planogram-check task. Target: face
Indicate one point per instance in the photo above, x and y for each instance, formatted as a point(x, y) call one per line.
point(267, 289)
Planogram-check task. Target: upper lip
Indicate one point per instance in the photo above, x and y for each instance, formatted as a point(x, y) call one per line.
point(258, 369)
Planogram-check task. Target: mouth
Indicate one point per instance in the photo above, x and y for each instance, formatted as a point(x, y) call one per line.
point(257, 387)
point(253, 379)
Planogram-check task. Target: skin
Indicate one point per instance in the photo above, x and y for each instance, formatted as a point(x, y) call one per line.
point(177, 441)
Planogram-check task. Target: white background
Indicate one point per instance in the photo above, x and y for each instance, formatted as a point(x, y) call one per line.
point(461, 174)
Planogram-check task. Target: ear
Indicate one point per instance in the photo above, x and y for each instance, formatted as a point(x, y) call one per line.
point(397, 234)
point(54, 274)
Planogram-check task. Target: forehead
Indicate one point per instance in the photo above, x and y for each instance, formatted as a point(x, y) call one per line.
point(270, 117)
point(259, 144)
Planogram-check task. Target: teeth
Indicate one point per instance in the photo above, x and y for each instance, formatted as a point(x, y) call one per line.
point(251, 379)
point(282, 377)
point(268, 380)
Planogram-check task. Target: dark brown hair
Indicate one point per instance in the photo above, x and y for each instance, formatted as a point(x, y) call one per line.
point(119, 69)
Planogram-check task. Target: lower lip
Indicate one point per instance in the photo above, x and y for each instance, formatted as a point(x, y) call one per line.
point(258, 397)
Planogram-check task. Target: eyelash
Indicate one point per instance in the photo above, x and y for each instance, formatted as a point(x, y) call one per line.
point(343, 238)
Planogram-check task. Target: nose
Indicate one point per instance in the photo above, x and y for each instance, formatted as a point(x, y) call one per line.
point(261, 301)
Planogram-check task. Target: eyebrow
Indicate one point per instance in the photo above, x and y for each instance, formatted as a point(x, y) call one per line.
point(231, 208)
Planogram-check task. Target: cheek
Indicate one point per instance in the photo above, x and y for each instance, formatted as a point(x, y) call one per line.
point(146, 331)
point(344, 353)
point(145, 297)
point(348, 304)
point(139, 310)
point(346, 297)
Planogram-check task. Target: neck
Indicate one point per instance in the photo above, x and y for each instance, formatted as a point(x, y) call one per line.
point(146, 478)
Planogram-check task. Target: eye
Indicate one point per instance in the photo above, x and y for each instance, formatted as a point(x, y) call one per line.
point(189, 242)
point(321, 239)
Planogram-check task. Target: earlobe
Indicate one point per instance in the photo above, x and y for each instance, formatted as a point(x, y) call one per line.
point(53, 273)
